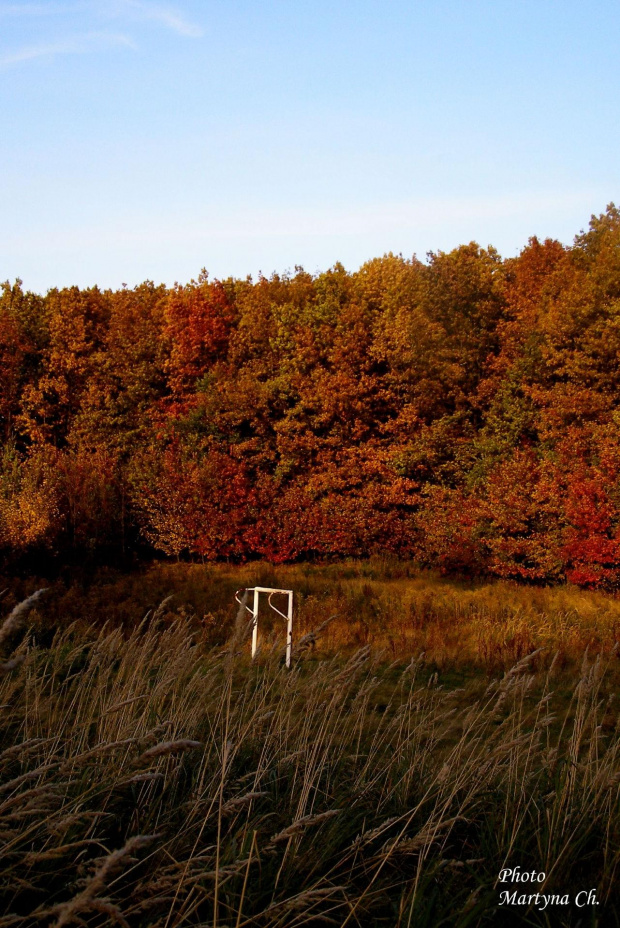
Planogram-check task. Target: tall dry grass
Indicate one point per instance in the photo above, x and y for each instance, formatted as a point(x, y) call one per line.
point(148, 780)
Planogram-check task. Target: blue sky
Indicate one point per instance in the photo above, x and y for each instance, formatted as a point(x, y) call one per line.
point(148, 140)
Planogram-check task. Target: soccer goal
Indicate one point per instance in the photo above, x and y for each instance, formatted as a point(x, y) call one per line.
point(288, 616)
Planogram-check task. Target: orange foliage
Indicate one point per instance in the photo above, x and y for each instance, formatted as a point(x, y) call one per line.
point(462, 412)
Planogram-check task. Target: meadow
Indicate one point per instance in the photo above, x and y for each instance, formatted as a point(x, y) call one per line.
point(429, 735)
point(385, 603)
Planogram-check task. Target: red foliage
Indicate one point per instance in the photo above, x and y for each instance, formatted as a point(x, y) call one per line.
point(196, 504)
point(197, 326)
point(592, 547)
point(462, 412)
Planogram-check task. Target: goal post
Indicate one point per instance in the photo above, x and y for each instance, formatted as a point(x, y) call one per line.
point(288, 616)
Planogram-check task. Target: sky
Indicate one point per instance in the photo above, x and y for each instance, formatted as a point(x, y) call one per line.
point(144, 140)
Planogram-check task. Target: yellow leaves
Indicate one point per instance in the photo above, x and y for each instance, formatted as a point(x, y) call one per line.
point(29, 501)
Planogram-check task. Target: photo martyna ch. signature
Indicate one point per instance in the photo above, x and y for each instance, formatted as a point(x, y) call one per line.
point(531, 895)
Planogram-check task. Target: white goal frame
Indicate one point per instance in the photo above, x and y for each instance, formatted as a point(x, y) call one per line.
point(257, 590)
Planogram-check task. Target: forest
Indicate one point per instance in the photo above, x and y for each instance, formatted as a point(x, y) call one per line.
point(461, 412)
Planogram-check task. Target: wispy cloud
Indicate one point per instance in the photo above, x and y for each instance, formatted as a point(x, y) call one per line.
point(92, 13)
point(72, 45)
point(167, 16)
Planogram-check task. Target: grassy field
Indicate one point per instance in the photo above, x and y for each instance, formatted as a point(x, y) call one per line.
point(151, 775)
point(384, 604)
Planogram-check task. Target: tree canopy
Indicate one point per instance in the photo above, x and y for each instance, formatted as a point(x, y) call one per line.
point(463, 412)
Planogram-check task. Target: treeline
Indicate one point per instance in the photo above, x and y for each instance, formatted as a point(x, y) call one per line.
point(463, 412)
